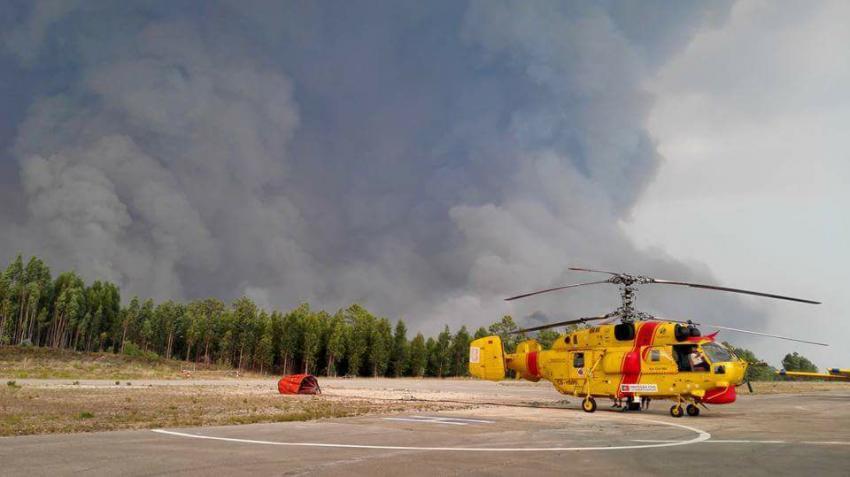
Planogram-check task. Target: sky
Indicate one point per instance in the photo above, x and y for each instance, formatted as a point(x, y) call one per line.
point(429, 159)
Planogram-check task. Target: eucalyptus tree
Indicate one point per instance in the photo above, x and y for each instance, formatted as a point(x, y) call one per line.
point(5, 306)
point(418, 356)
point(433, 361)
point(505, 328)
point(168, 320)
point(460, 352)
point(357, 347)
point(245, 323)
point(400, 357)
point(276, 330)
point(797, 362)
point(443, 352)
point(129, 316)
point(291, 335)
point(35, 293)
point(264, 355)
point(146, 324)
point(103, 301)
point(335, 345)
point(311, 336)
point(67, 308)
point(15, 292)
point(380, 346)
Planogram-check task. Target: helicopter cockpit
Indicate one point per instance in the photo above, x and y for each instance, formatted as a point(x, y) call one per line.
point(700, 358)
point(689, 358)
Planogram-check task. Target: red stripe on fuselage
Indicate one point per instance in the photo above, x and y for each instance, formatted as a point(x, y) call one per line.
point(531, 364)
point(645, 337)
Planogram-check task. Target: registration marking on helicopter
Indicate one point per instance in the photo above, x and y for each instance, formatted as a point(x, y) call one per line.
point(639, 388)
point(701, 436)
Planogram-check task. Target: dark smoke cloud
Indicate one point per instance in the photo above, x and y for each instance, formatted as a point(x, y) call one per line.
point(425, 159)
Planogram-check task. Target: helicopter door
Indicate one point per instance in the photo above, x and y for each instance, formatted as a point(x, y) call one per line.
point(690, 358)
point(658, 360)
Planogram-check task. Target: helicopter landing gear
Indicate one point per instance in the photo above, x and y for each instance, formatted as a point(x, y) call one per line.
point(692, 410)
point(677, 410)
point(589, 404)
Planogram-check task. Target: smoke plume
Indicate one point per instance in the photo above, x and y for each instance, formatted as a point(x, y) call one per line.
point(424, 159)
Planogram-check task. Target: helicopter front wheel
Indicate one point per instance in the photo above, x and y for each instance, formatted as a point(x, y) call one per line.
point(589, 404)
point(677, 411)
point(692, 410)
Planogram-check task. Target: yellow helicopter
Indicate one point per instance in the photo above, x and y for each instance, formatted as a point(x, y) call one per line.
point(632, 362)
point(832, 374)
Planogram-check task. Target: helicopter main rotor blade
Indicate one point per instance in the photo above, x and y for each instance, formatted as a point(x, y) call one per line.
point(742, 331)
point(610, 318)
point(560, 323)
point(579, 269)
point(734, 290)
point(765, 334)
point(524, 295)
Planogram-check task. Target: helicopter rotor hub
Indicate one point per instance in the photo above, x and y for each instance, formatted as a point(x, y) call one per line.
point(628, 290)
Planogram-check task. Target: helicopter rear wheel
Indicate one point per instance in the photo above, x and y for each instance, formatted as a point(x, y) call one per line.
point(692, 410)
point(589, 404)
point(677, 411)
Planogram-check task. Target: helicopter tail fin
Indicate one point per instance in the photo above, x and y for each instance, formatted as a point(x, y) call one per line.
point(487, 358)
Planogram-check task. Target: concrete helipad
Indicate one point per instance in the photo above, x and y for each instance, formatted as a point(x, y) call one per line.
point(772, 434)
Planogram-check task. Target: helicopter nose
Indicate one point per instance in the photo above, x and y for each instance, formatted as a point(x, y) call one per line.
point(735, 371)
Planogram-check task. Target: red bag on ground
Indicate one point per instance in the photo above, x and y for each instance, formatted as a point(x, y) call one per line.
point(299, 384)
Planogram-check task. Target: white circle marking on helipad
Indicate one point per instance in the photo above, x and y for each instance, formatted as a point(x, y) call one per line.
point(701, 437)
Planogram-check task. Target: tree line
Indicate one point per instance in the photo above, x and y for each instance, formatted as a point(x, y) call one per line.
point(66, 313)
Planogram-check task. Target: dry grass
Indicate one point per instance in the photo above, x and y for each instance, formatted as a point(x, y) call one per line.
point(40, 410)
point(28, 408)
point(44, 363)
point(793, 387)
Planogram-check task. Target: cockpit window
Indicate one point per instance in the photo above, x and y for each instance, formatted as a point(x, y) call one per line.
point(717, 353)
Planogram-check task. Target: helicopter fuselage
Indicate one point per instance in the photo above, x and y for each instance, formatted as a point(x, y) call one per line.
point(654, 359)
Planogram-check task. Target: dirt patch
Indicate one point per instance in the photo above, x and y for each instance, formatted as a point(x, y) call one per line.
point(45, 363)
point(41, 410)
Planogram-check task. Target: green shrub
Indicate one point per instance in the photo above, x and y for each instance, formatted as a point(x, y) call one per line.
point(86, 415)
point(132, 350)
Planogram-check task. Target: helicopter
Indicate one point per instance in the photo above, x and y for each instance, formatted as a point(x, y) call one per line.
point(627, 355)
point(832, 374)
